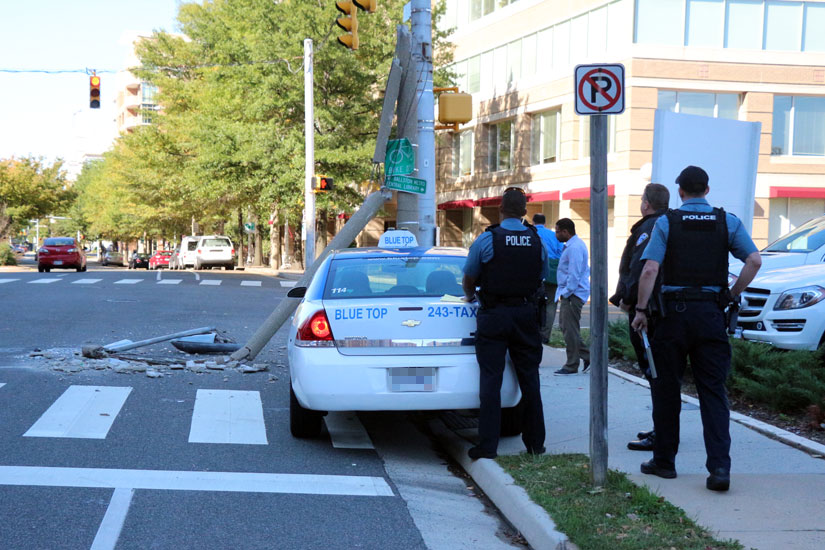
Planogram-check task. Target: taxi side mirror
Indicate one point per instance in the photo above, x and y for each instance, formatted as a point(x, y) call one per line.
point(297, 292)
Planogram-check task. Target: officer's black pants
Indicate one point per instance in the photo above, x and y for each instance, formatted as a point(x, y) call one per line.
point(695, 329)
point(514, 329)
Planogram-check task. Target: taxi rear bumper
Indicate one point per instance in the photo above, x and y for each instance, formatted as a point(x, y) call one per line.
point(333, 382)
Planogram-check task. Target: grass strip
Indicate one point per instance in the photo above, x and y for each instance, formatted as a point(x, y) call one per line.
point(619, 516)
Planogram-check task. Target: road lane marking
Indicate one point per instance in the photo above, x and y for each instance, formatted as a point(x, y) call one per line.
point(2, 384)
point(86, 281)
point(288, 284)
point(128, 281)
point(228, 416)
point(113, 520)
point(158, 277)
point(346, 431)
point(211, 282)
point(250, 283)
point(238, 482)
point(8, 280)
point(170, 282)
point(85, 412)
point(43, 281)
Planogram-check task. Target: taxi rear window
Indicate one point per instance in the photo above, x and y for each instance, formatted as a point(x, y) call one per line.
point(394, 276)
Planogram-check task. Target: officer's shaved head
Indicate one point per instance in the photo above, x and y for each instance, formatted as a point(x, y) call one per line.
point(693, 180)
point(513, 203)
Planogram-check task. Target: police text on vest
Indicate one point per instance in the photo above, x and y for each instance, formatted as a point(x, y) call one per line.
point(512, 240)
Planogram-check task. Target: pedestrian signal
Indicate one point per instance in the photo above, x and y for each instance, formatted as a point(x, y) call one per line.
point(321, 184)
point(348, 22)
point(94, 92)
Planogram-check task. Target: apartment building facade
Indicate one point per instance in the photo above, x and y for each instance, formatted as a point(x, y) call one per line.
point(134, 98)
point(752, 60)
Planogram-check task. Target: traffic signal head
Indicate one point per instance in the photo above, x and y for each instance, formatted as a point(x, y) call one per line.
point(94, 92)
point(348, 22)
point(366, 5)
point(321, 184)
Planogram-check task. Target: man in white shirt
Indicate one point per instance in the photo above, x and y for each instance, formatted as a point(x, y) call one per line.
point(573, 291)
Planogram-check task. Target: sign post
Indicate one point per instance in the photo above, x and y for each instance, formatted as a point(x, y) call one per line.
point(599, 91)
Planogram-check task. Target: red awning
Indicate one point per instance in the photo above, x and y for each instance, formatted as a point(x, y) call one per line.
point(543, 196)
point(798, 192)
point(452, 205)
point(488, 201)
point(584, 193)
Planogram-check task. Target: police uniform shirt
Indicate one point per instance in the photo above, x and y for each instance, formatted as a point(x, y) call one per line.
point(481, 251)
point(740, 243)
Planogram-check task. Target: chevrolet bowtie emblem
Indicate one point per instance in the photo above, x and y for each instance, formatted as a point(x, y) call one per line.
point(411, 323)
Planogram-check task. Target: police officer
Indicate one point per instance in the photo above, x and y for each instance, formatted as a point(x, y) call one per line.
point(508, 263)
point(691, 245)
point(655, 199)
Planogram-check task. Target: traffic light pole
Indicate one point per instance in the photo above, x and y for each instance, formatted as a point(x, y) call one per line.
point(309, 196)
point(422, 56)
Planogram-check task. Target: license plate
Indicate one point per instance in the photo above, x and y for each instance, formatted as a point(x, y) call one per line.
point(58, 262)
point(409, 379)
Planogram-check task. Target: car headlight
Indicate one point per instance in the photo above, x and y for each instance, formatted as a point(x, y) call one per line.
point(797, 298)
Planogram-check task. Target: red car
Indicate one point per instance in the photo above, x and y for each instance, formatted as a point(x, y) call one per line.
point(61, 253)
point(160, 259)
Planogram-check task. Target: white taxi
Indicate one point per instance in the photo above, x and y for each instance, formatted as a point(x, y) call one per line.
point(384, 329)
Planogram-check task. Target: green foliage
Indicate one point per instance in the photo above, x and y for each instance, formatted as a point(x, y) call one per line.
point(618, 341)
point(7, 255)
point(30, 189)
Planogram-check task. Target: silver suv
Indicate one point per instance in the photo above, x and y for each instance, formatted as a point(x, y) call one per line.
point(214, 250)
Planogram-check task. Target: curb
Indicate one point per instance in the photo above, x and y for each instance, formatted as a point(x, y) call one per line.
point(531, 520)
point(764, 428)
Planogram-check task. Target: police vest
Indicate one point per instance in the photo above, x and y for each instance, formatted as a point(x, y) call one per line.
point(697, 249)
point(515, 270)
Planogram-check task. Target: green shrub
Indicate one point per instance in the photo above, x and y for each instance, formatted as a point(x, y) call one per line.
point(618, 341)
point(7, 255)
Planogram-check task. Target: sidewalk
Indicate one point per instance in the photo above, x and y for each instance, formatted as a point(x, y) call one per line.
point(777, 494)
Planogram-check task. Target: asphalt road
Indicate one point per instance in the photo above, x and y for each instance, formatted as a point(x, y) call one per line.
point(102, 460)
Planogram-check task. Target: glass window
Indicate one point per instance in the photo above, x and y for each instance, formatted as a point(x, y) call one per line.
point(744, 24)
point(544, 146)
point(561, 45)
point(474, 74)
point(500, 66)
point(781, 133)
point(700, 103)
point(727, 106)
point(475, 10)
point(618, 22)
point(460, 70)
point(450, 18)
point(578, 38)
point(544, 44)
point(783, 26)
point(660, 22)
point(691, 103)
point(667, 100)
point(148, 92)
point(487, 72)
point(805, 238)
point(463, 153)
point(706, 23)
point(463, 12)
point(809, 126)
point(814, 38)
point(597, 32)
point(394, 275)
point(528, 56)
point(501, 146)
point(489, 6)
point(514, 61)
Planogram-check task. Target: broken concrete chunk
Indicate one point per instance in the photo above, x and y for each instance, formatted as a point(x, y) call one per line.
point(153, 374)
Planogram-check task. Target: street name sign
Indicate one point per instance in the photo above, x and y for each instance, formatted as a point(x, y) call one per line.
point(400, 158)
point(406, 183)
point(599, 89)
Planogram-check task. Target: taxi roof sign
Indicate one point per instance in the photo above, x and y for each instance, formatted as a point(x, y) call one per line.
point(397, 238)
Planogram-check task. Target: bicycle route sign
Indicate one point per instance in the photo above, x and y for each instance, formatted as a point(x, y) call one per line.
point(400, 158)
point(599, 89)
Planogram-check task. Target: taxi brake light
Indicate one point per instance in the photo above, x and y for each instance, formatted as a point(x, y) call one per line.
point(316, 328)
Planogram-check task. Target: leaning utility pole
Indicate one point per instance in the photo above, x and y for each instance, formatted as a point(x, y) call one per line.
point(422, 55)
point(309, 196)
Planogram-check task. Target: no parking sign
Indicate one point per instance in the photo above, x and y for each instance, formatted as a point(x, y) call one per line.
point(599, 89)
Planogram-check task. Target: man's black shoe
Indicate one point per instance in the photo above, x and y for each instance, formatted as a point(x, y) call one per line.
point(536, 451)
point(650, 467)
point(646, 435)
point(645, 444)
point(563, 371)
point(586, 368)
point(477, 452)
point(718, 480)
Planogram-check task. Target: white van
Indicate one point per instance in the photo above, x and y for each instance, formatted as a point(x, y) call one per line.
point(187, 252)
point(214, 251)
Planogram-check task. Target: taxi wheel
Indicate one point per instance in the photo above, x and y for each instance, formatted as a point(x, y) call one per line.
point(303, 423)
point(511, 420)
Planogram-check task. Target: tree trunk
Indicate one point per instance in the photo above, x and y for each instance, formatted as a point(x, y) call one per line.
point(321, 231)
point(259, 243)
point(240, 239)
point(274, 239)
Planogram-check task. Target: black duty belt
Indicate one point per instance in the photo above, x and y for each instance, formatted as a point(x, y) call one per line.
point(493, 301)
point(691, 295)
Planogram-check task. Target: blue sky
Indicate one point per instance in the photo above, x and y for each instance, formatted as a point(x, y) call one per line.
point(48, 114)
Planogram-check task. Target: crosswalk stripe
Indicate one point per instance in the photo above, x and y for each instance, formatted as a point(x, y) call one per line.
point(211, 282)
point(128, 281)
point(8, 280)
point(81, 412)
point(43, 281)
point(288, 284)
point(86, 281)
point(346, 431)
point(250, 283)
point(2, 384)
point(170, 282)
point(228, 416)
point(113, 519)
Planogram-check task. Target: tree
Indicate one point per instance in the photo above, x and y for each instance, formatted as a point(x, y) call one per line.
point(30, 189)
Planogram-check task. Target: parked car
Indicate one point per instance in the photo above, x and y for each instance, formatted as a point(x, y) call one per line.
point(139, 260)
point(804, 245)
point(214, 251)
point(112, 257)
point(62, 253)
point(376, 331)
point(187, 252)
point(160, 259)
point(786, 308)
point(173, 259)
point(18, 249)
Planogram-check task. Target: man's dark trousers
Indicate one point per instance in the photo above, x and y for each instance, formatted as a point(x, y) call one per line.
point(514, 329)
point(696, 329)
